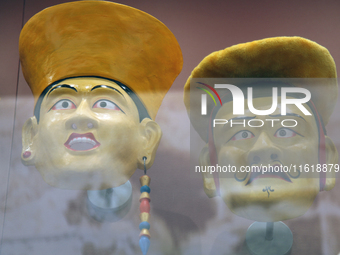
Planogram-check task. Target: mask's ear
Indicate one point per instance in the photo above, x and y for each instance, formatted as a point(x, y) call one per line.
point(208, 179)
point(331, 158)
point(151, 135)
point(29, 130)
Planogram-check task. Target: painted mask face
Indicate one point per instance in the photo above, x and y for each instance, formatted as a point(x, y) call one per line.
point(89, 135)
point(272, 196)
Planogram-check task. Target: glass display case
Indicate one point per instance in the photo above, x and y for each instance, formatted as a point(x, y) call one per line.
point(36, 218)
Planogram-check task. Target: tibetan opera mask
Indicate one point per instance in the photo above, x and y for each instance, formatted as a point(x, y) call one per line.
point(98, 71)
point(262, 157)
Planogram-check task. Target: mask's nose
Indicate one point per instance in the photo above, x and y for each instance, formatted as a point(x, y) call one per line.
point(83, 119)
point(263, 151)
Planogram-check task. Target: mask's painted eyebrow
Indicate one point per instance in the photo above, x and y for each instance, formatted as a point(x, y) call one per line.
point(107, 87)
point(289, 114)
point(62, 86)
point(241, 118)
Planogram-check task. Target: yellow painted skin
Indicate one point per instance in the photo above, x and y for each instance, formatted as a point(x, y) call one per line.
point(298, 146)
point(115, 125)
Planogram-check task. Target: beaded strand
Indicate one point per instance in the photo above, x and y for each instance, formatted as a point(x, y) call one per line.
point(144, 207)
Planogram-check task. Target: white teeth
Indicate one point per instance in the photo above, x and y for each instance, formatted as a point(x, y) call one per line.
point(82, 140)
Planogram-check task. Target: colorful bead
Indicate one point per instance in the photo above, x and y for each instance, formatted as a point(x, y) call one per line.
point(144, 195)
point(144, 206)
point(145, 232)
point(144, 216)
point(144, 244)
point(145, 180)
point(145, 188)
point(144, 224)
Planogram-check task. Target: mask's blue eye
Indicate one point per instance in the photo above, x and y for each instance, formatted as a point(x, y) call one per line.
point(284, 133)
point(106, 104)
point(63, 104)
point(244, 134)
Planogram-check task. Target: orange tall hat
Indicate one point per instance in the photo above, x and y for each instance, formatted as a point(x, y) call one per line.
point(100, 38)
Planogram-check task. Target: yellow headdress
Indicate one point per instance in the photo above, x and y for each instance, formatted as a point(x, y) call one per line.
point(278, 57)
point(100, 38)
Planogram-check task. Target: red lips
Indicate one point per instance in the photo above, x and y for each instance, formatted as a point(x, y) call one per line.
point(81, 142)
point(270, 173)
